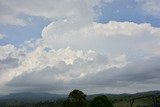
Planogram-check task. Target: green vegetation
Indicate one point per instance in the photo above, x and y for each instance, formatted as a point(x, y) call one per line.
point(101, 101)
point(77, 98)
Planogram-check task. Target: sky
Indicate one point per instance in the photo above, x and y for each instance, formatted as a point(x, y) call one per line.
point(97, 46)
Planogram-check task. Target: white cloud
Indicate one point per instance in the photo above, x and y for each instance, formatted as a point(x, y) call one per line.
point(62, 65)
point(79, 10)
point(70, 66)
point(96, 35)
point(9, 53)
point(2, 36)
point(51, 61)
point(87, 73)
point(10, 59)
point(6, 51)
point(76, 50)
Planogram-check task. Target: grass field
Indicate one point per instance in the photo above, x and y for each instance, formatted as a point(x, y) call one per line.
point(125, 102)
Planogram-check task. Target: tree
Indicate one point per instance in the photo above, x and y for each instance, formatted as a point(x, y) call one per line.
point(101, 101)
point(76, 98)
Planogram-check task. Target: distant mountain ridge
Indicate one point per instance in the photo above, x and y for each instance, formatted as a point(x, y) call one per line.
point(34, 97)
point(138, 94)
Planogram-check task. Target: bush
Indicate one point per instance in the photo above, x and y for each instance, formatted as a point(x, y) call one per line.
point(101, 101)
point(76, 98)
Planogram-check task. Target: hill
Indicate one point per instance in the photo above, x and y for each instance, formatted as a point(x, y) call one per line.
point(119, 100)
point(32, 97)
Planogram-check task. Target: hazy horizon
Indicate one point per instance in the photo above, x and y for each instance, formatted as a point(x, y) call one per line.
point(66, 94)
point(97, 46)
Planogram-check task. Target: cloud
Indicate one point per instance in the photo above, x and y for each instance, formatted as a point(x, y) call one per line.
point(9, 16)
point(75, 64)
point(47, 70)
point(153, 47)
point(8, 63)
point(74, 51)
point(2, 36)
point(97, 36)
point(10, 59)
point(7, 57)
point(10, 50)
point(92, 73)
point(52, 65)
point(130, 78)
point(60, 29)
point(50, 9)
point(151, 7)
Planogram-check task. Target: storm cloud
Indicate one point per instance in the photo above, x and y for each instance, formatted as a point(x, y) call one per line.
point(60, 45)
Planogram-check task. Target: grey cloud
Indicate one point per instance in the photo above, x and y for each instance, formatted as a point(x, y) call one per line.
point(60, 9)
point(143, 73)
point(9, 15)
point(5, 10)
point(143, 70)
point(51, 78)
point(39, 80)
point(146, 73)
point(8, 63)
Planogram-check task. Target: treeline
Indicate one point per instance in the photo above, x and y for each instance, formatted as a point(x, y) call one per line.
point(76, 98)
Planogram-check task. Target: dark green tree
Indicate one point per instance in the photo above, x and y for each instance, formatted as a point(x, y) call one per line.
point(101, 101)
point(76, 98)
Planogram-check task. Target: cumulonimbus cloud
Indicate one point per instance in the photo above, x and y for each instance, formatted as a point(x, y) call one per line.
point(75, 51)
